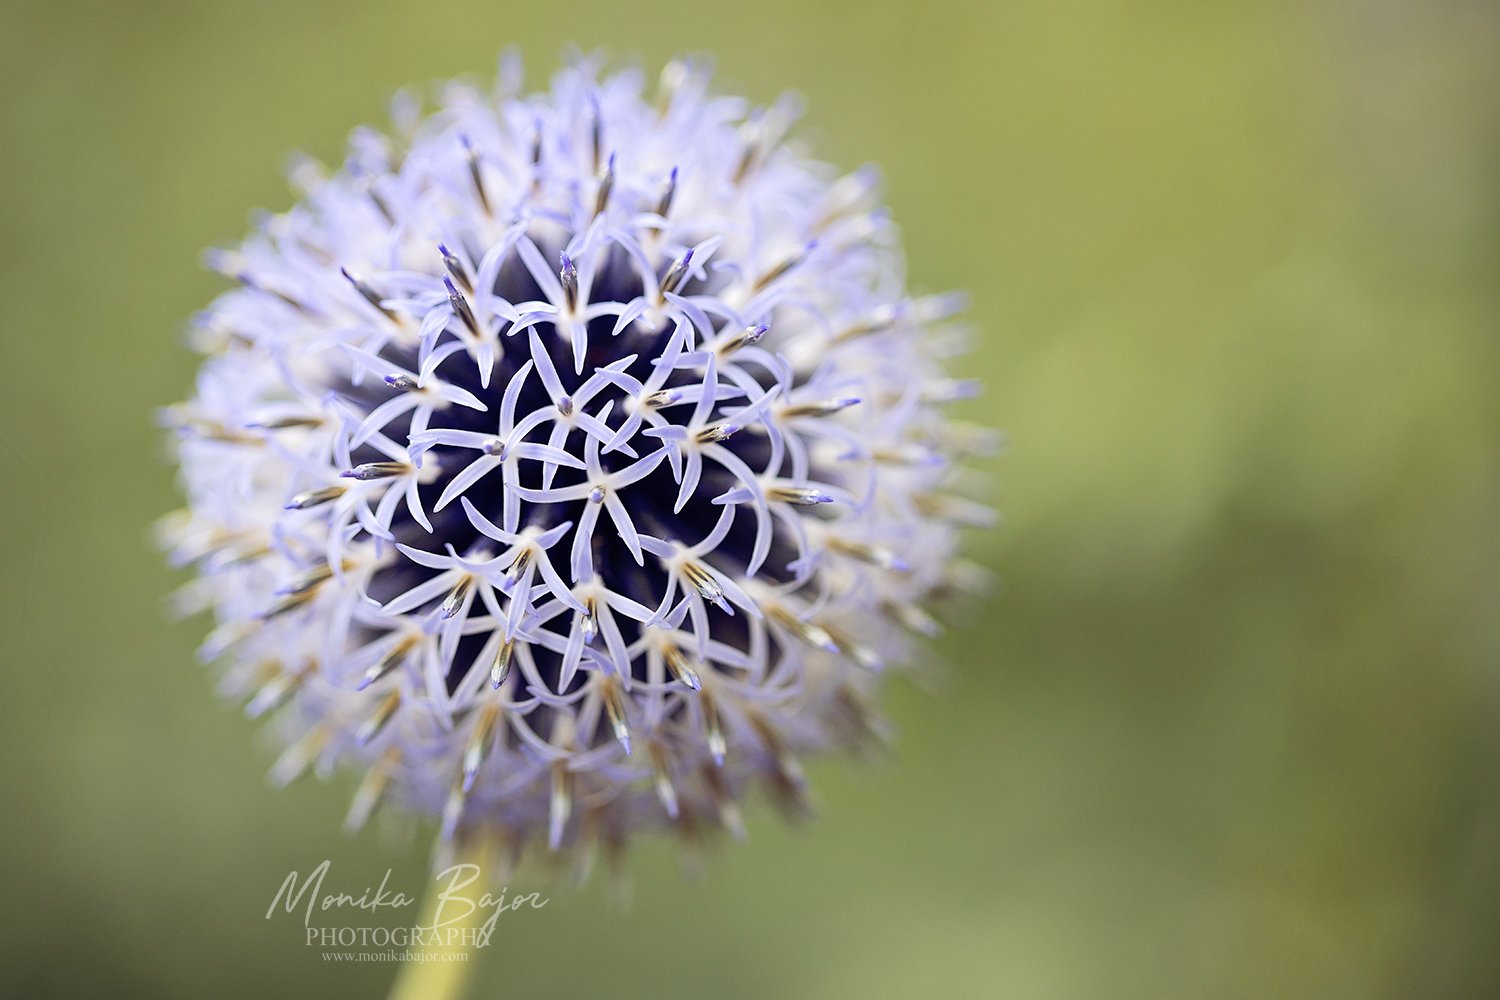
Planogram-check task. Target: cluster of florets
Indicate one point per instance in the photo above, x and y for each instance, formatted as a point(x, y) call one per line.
point(570, 462)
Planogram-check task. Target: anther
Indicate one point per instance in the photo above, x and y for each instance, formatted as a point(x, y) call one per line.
point(875, 555)
point(678, 271)
point(314, 498)
point(705, 583)
point(375, 470)
point(455, 599)
point(568, 275)
point(750, 335)
point(822, 408)
point(500, 669)
point(673, 74)
point(371, 790)
point(309, 580)
point(367, 293)
point(614, 708)
point(681, 669)
point(662, 773)
point(789, 262)
point(388, 661)
point(800, 496)
point(377, 719)
point(289, 602)
point(460, 306)
point(664, 203)
point(596, 131)
point(475, 173)
point(478, 746)
point(713, 728)
point(606, 185)
point(455, 268)
point(588, 623)
point(717, 432)
point(286, 423)
point(813, 635)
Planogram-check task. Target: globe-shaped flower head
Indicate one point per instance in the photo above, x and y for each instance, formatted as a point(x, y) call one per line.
point(571, 463)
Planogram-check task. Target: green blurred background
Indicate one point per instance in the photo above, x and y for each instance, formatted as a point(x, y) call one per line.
point(1230, 729)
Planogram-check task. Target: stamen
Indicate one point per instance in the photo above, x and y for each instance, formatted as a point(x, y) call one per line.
point(478, 747)
point(781, 755)
point(913, 617)
point(514, 570)
point(536, 157)
point(380, 203)
point(287, 423)
point(460, 307)
point(681, 668)
point(561, 805)
point(313, 498)
point(875, 555)
point(309, 580)
point(376, 470)
point(824, 408)
point(614, 708)
point(800, 496)
point(214, 430)
point(950, 390)
point(389, 661)
point(275, 692)
point(713, 729)
point(791, 261)
point(606, 186)
point(664, 203)
point(369, 294)
point(878, 321)
point(371, 791)
point(673, 75)
point(724, 804)
point(455, 599)
point(453, 809)
point(662, 773)
point(905, 454)
point(588, 624)
point(405, 383)
point(596, 132)
point(705, 583)
point(288, 602)
point(500, 669)
point(677, 272)
point(569, 278)
point(717, 432)
point(750, 335)
point(809, 633)
point(955, 509)
point(476, 174)
point(863, 655)
point(455, 268)
point(377, 720)
point(298, 757)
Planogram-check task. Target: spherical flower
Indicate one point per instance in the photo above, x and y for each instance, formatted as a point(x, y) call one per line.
point(570, 463)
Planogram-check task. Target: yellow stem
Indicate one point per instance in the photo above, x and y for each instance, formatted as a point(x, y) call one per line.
point(444, 970)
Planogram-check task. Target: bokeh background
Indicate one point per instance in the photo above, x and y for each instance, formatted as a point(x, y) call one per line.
point(1230, 729)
